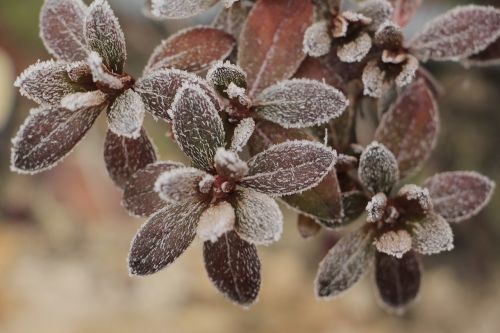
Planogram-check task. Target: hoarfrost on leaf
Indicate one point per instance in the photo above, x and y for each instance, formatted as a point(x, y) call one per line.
point(76, 101)
point(179, 185)
point(100, 75)
point(258, 217)
point(179, 8)
point(126, 114)
point(300, 103)
point(376, 208)
point(356, 50)
point(373, 80)
point(242, 134)
point(222, 74)
point(378, 11)
point(317, 39)
point(432, 235)
point(215, 221)
point(378, 168)
point(416, 193)
point(394, 243)
point(345, 264)
point(229, 165)
point(408, 72)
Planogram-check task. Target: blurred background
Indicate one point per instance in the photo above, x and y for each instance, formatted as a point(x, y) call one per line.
point(64, 236)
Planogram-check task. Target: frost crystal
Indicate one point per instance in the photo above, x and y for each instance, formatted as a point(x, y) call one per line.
point(215, 221)
point(179, 185)
point(432, 235)
point(242, 134)
point(100, 75)
point(378, 168)
point(317, 39)
point(126, 115)
point(394, 243)
point(258, 217)
point(376, 208)
point(179, 8)
point(300, 103)
point(229, 165)
point(80, 100)
point(356, 50)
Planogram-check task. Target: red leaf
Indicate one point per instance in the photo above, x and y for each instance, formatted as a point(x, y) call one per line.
point(490, 56)
point(271, 41)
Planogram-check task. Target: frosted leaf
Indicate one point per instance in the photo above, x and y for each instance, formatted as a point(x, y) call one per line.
point(232, 19)
point(126, 114)
point(432, 235)
point(322, 202)
point(307, 226)
point(459, 195)
point(397, 280)
point(317, 39)
point(192, 49)
point(373, 80)
point(179, 8)
point(104, 35)
point(376, 208)
point(76, 101)
point(414, 199)
point(222, 74)
point(124, 156)
point(300, 103)
point(270, 45)
point(61, 29)
point(139, 196)
point(378, 168)
point(234, 92)
point(488, 57)
point(158, 90)
point(354, 204)
point(48, 135)
point(229, 165)
point(345, 264)
point(289, 167)
point(394, 243)
point(258, 217)
point(233, 267)
point(242, 134)
point(389, 36)
point(339, 26)
point(458, 33)
point(404, 10)
point(206, 183)
point(410, 127)
point(197, 126)
point(408, 72)
point(229, 3)
point(179, 185)
point(162, 239)
point(100, 75)
point(215, 221)
point(46, 82)
point(78, 71)
point(377, 10)
point(356, 50)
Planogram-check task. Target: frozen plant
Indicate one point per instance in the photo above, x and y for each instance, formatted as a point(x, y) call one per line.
point(326, 109)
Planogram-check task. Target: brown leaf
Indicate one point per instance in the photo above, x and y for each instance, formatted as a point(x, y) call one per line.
point(193, 50)
point(459, 195)
point(48, 135)
point(231, 20)
point(124, 156)
point(139, 195)
point(410, 128)
point(233, 267)
point(488, 57)
point(378, 168)
point(397, 280)
point(270, 47)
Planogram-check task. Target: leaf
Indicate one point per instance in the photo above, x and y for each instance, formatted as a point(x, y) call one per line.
point(126, 115)
point(180, 185)
point(179, 8)
point(395, 243)
point(215, 221)
point(61, 29)
point(232, 19)
point(300, 103)
point(258, 217)
point(242, 134)
point(374, 80)
point(410, 128)
point(46, 82)
point(354, 204)
point(222, 74)
point(233, 267)
point(356, 50)
point(318, 39)
point(397, 280)
point(192, 49)
point(413, 200)
point(459, 195)
point(158, 90)
point(48, 135)
point(458, 33)
point(105, 36)
point(124, 156)
point(197, 126)
point(404, 10)
point(100, 75)
point(289, 167)
point(76, 101)
point(229, 166)
point(378, 168)
point(376, 208)
point(164, 237)
point(345, 264)
point(308, 227)
point(378, 11)
point(432, 235)
point(270, 46)
point(139, 196)
point(488, 57)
